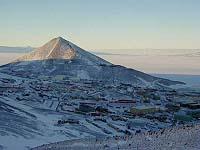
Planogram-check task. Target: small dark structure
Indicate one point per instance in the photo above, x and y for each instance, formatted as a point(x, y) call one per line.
point(70, 121)
point(86, 108)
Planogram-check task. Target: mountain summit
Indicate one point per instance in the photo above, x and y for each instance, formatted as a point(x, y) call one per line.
point(59, 48)
point(60, 57)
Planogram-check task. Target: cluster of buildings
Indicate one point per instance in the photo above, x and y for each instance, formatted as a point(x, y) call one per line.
point(124, 108)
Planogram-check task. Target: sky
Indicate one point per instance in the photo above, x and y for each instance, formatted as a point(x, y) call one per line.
point(102, 24)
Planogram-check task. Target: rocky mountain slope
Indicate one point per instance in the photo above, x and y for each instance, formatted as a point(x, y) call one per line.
point(63, 58)
point(59, 48)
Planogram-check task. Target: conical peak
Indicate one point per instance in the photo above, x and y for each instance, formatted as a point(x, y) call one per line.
point(60, 37)
point(58, 40)
point(59, 48)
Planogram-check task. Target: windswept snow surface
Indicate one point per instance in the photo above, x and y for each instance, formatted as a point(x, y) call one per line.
point(23, 126)
point(182, 138)
point(26, 125)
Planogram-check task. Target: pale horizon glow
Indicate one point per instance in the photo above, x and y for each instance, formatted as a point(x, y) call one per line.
point(149, 61)
point(128, 24)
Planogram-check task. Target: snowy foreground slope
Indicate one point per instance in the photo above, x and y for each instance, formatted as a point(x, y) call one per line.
point(181, 138)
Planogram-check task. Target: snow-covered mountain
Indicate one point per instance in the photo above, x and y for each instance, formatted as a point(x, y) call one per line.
point(61, 57)
point(59, 48)
point(58, 91)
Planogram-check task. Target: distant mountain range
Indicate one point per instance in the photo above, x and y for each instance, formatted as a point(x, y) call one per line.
point(121, 52)
point(6, 49)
